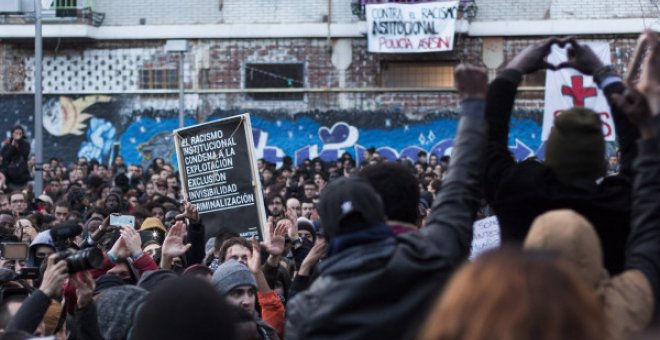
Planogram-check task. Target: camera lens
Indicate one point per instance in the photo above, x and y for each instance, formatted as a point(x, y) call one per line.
point(84, 259)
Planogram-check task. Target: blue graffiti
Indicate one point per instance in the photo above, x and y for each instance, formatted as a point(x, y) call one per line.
point(305, 138)
point(146, 139)
point(100, 137)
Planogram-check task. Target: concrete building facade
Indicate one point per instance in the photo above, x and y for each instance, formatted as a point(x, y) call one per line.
point(301, 68)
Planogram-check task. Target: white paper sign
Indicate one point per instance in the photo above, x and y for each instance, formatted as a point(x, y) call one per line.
point(568, 87)
point(411, 28)
point(486, 235)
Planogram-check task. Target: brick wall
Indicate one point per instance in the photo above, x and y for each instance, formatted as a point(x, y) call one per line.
point(227, 59)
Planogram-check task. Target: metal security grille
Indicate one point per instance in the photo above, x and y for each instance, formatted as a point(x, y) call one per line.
point(417, 75)
point(70, 8)
point(285, 76)
point(159, 78)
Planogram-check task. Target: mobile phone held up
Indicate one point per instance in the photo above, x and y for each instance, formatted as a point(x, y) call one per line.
point(120, 220)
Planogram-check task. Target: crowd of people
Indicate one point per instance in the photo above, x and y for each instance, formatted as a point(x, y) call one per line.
point(353, 251)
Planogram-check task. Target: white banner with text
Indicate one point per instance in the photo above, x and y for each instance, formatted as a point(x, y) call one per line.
point(411, 28)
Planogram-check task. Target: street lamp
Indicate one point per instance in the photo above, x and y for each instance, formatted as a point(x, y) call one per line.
point(180, 46)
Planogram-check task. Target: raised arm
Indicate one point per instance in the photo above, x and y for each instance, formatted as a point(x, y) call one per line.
point(643, 249)
point(195, 235)
point(450, 223)
point(583, 59)
point(499, 106)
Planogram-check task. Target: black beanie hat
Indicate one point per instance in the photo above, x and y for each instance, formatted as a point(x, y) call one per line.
point(152, 279)
point(306, 224)
point(185, 308)
point(575, 149)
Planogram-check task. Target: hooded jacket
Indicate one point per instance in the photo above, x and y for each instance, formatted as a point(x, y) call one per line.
point(382, 290)
point(629, 298)
point(42, 239)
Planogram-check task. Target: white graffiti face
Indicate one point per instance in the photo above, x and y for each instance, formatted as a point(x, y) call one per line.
point(52, 119)
point(67, 116)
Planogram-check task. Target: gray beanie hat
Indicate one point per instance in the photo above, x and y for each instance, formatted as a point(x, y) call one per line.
point(232, 274)
point(116, 310)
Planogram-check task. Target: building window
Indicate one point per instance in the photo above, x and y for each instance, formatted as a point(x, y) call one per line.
point(159, 78)
point(417, 74)
point(274, 76)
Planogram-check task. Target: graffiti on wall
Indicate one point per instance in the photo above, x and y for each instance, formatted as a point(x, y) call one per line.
point(99, 127)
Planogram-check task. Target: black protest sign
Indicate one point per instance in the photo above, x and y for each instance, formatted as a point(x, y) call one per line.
point(219, 175)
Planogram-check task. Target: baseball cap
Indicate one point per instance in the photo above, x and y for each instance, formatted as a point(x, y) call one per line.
point(45, 198)
point(345, 197)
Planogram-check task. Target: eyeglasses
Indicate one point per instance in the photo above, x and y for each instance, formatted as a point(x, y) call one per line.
point(24, 226)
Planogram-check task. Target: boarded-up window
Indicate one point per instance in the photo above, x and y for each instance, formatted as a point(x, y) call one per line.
point(417, 75)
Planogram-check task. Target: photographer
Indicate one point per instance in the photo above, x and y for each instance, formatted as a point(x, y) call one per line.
point(125, 259)
point(15, 152)
point(32, 311)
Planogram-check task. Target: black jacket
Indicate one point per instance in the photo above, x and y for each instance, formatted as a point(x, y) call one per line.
point(383, 290)
point(519, 192)
point(31, 313)
point(14, 161)
point(643, 251)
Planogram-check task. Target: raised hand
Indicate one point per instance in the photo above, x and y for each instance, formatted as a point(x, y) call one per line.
point(189, 211)
point(649, 80)
point(119, 249)
point(173, 245)
point(471, 81)
point(254, 262)
point(131, 240)
point(580, 57)
point(275, 246)
point(292, 225)
point(103, 228)
point(636, 107)
point(313, 257)
point(54, 276)
point(532, 58)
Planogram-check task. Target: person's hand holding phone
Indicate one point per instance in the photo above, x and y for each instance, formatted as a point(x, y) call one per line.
point(132, 240)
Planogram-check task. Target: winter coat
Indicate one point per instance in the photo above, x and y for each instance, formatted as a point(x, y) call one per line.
point(382, 290)
point(14, 162)
point(629, 298)
point(519, 192)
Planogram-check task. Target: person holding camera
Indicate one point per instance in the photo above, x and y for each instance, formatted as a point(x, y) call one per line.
point(15, 152)
point(32, 311)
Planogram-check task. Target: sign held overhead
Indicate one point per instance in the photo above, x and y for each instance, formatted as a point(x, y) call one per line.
point(219, 175)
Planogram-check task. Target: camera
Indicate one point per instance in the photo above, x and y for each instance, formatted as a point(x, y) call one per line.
point(76, 261)
point(14, 250)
